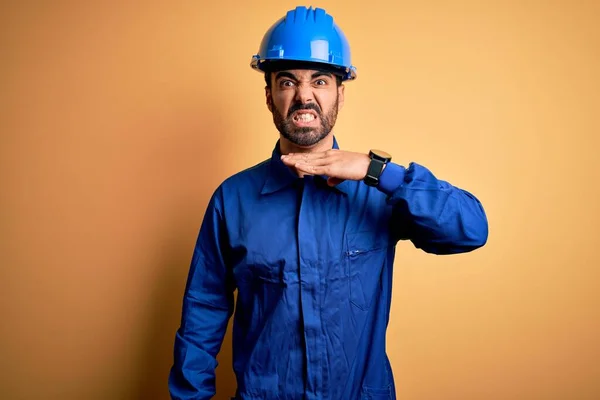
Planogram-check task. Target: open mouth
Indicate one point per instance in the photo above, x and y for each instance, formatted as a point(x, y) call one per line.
point(304, 117)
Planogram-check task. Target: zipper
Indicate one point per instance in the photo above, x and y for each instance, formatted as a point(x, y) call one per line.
point(352, 253)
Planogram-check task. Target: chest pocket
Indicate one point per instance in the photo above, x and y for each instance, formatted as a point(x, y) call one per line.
point(365, 256)
point(260, 287)
point(259, 269)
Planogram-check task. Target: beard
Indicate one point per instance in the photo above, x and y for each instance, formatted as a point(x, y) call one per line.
point(305, 136)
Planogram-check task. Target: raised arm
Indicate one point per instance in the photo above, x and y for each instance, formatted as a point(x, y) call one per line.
point(436, 216)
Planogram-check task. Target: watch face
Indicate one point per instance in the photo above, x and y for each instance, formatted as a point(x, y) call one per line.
point(381, 154)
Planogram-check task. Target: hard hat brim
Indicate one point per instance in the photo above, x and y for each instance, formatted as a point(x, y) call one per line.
point(280, 65)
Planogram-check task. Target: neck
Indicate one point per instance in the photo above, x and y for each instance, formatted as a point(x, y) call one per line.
point(286, 147)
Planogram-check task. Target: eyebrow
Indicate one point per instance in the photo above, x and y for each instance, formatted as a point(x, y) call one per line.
point(285, 74)
point(321, 73)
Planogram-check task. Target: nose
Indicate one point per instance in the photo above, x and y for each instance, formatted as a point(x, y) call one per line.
point(304, 94)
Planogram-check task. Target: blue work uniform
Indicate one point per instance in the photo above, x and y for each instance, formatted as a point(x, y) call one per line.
point(312, 266)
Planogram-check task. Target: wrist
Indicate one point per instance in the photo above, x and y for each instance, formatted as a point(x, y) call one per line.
point(377, 163)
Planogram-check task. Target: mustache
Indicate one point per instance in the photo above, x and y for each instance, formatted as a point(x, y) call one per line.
point(308, 106)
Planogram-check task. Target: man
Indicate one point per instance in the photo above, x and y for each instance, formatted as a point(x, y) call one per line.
point(307, 238)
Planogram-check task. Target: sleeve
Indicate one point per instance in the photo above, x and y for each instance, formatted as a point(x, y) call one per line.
point(207, 306)
point(437, 217)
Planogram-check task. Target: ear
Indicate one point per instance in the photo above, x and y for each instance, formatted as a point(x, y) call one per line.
point(269, 98)
point(341, 96)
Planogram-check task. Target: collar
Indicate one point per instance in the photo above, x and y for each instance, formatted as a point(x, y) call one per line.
point(279, 175)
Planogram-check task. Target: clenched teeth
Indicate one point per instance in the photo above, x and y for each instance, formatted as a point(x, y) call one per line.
point(304, 117)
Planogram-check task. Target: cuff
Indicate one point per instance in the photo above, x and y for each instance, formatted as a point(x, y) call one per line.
point(391, 178)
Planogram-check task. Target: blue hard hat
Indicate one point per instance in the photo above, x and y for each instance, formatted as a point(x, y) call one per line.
point(306, 35)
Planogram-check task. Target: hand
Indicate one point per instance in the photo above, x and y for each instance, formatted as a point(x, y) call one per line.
point(337, 165)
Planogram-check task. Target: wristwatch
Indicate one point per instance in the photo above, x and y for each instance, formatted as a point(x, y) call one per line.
point(378, 161)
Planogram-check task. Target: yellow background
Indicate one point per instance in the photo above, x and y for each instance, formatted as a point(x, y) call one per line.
point(118, 121)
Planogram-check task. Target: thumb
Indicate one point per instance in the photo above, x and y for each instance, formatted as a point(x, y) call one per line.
point(334, 181)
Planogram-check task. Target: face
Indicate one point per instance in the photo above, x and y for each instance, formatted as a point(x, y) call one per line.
point(305, 104)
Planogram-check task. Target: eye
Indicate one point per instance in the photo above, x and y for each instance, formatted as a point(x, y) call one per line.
point(286, 83)
point(320, 82)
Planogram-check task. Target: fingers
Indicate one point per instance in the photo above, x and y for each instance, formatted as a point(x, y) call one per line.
point(295, 157)
point(309, 156)
point(312, 169)
point(316, 159)
point(319, 163)
point(337, 164)
point(316, 166)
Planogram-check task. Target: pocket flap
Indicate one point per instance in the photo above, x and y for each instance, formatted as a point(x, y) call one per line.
point(361, 242)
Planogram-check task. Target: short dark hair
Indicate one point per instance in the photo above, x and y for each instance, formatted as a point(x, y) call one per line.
point(276, 66)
